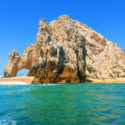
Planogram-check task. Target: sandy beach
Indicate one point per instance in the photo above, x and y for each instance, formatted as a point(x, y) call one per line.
point(118, 80)
point(28, 80)
point(24, 79)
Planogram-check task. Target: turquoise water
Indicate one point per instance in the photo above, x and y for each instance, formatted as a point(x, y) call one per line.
point(67, 104)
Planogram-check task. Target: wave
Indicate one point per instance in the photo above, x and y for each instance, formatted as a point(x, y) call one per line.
point(13, 83)
point(24, 83)
point(48, 84)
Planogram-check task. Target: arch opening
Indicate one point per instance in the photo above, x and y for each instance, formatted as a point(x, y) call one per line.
point(23, 72)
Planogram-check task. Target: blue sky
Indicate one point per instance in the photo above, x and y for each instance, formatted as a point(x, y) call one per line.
point(19, 21)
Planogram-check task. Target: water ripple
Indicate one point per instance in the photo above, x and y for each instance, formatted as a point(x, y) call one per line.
point(67, 104)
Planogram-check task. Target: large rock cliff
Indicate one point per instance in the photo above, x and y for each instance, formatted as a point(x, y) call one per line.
point(59, 54)
point(54, 58)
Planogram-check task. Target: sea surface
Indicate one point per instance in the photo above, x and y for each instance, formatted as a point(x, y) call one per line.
point(66, 104)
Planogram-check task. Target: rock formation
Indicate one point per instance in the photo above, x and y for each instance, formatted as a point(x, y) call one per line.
point(52, 59)
point(17, 63)
point(59, 54)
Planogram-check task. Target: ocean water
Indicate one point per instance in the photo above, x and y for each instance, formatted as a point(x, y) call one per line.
point(66, 104)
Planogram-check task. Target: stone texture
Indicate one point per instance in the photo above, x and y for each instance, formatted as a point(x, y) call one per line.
point(58, 62)
point(53, 65)
point(61, 45)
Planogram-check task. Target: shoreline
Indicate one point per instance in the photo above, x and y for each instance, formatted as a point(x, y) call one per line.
point(24, 79)
point(117, 80)
point(28, 80)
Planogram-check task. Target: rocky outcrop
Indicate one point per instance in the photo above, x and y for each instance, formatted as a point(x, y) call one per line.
point(50, 59)
point(59, 61)
point(59, 54)
point(54, 65)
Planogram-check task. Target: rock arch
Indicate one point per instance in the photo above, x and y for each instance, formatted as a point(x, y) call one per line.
point(17, 62)
point(31, 53)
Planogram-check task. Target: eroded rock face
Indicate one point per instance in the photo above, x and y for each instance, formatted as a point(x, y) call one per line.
point(59, 54)
point(58, 61)
point(54, 66)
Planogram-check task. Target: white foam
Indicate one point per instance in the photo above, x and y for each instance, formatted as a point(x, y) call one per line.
point(24, 83)
point(13, 83)
point(48, 84)
point(8, 121)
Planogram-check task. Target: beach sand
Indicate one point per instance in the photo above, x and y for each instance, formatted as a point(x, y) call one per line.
point(24, 79)
point(118, 80)
point(28, 80)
